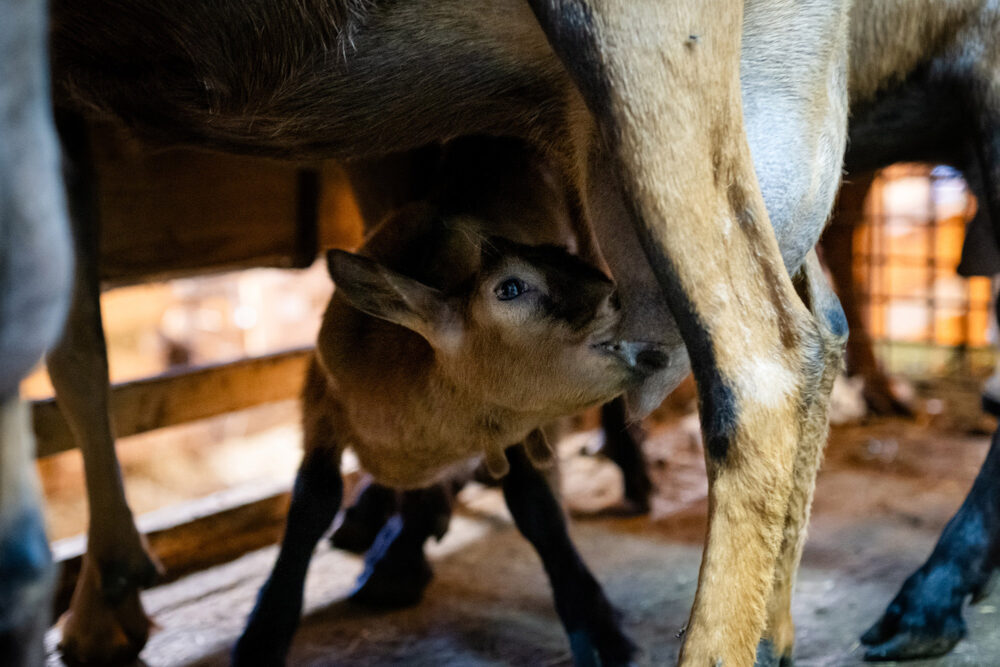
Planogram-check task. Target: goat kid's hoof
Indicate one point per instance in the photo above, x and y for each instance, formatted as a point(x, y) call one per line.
point(392, 584)
point(768, 656)
point(919, 623)
point(586, 653)
point(256, 651)
point(354, 534)
point(97, 631)
point(396, 571)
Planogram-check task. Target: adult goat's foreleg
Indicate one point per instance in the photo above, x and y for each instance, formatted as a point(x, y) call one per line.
point(779, 633)
point(105, 622)
point(663, 80)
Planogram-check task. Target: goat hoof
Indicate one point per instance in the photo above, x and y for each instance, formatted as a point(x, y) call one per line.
point(396, 570)
point(392, 585)
point(96, 630)
point(256, 651)
point(354, 534)
point(586, 652)
point(922, 621)
point(362, 521)
point(768, 656)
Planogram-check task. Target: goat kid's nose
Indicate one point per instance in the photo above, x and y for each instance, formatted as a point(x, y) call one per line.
point(644, 357)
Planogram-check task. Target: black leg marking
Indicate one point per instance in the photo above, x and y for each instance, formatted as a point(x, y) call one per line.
point(365, 518)
point(925, 617)
point(587, 615)
point(766, 657)
point(623, 445)
point(316, 498)
point(570, 28)
point(396, 570)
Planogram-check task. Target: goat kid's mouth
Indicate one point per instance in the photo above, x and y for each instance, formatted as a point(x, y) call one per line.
point(639, 356)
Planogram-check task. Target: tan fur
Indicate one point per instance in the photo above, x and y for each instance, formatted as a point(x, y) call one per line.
point(676, 101)
point(819, 297)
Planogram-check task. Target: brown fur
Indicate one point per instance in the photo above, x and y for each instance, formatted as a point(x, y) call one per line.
point(436, 378)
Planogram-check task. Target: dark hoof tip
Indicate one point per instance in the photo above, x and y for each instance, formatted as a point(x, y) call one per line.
point(768, 657)
point(388, 587)
point(586, 653)
point(907, 646)
point(118, 657)
point(255, 654)
point(354, 536)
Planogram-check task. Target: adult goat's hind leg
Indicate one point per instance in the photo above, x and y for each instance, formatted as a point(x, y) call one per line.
point(779, 634)
point(925, 617)
point(663, 80)
point(105, 622)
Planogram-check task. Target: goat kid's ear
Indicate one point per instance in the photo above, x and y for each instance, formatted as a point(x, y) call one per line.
point(380, 292)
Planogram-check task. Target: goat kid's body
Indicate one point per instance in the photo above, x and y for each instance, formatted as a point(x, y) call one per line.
point(413, 417)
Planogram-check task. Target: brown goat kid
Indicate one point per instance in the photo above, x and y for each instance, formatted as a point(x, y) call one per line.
point(449, 341)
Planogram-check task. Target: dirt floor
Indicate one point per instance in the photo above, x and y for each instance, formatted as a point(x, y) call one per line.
point(884, 493)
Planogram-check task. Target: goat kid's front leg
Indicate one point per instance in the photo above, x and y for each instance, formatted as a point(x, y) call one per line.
point(662, 78)
point(779, 634)
point(105, 622)
point(595, 635)
point(316, 498)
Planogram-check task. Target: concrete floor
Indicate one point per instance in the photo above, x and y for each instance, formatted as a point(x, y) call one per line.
point(882, 498)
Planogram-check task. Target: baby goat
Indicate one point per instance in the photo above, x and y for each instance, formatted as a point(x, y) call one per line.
point(443, 346)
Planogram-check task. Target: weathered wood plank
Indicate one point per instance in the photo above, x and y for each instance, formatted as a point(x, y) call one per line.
point(202, 533)
point(184, 396)
point(182, 210)
point(173, 212)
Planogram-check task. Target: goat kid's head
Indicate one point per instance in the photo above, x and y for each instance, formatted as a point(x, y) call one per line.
point(534, 330)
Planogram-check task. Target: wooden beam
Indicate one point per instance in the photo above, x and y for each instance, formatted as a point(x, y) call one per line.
point(185, 396)
point(202, 533)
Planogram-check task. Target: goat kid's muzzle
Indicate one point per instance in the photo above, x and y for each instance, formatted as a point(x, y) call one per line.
point(641, 357)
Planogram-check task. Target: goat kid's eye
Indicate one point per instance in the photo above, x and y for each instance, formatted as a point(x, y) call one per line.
point(510, 289)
